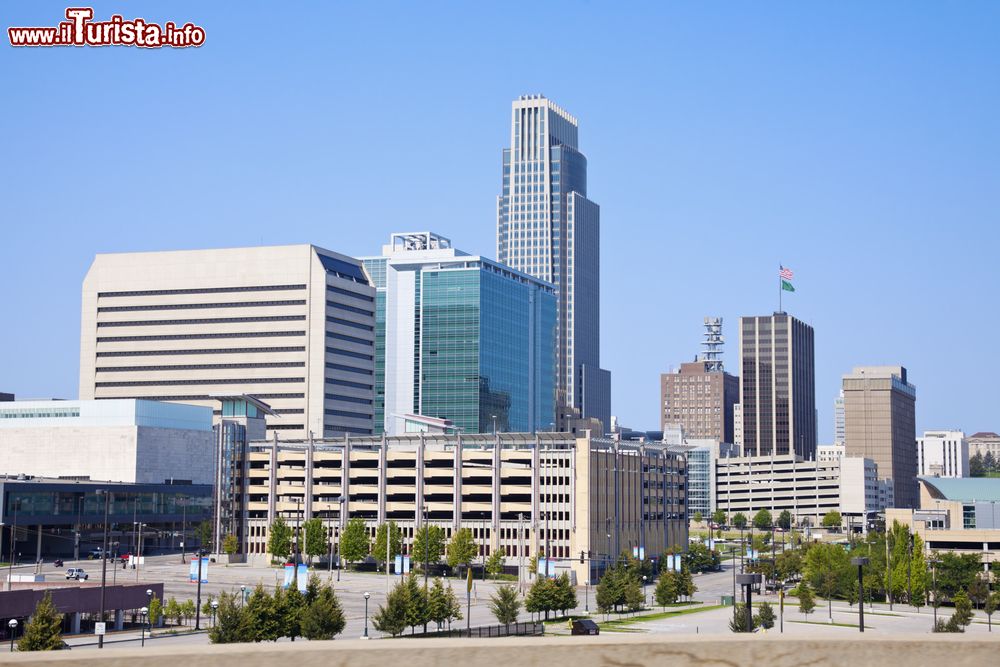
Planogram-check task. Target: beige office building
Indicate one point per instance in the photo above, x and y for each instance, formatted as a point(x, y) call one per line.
point(983, 443)
point(880, 424)
point(699, 400)
point(293, 325)
point(558, 493)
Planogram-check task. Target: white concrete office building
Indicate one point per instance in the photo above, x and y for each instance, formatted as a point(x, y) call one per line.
point(943, 454)
point(293, 325)
point(807, 489)
point(123, 440)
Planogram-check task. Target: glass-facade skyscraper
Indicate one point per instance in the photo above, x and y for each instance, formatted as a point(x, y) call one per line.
point(462, 338)
point(548, 228)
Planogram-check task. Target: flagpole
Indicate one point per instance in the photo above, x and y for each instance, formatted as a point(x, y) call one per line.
point(780, 290)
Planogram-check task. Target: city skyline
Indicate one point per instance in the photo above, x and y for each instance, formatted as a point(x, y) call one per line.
point(760, 130)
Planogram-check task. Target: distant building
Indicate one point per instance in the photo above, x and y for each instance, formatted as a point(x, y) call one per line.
point(777, 386)
point(943, 454)
point(983, 443)
point(839, 426)
point(738, 425)
point(702, 455)
point(956, 514)
point(830, 453)
point(518, 492)
point(806, 489)
point(119, 440)
point(6, 397)
point(293, 325)
point(548, 228)
point(461, 338)
point(880, 424)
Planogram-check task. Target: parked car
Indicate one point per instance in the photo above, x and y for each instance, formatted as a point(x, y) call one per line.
point(58, 562)
point(95, 554)
point(77, 573)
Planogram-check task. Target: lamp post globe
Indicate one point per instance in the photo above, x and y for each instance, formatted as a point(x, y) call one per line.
point(215, 608)
point(143, 612)
point(12, 624)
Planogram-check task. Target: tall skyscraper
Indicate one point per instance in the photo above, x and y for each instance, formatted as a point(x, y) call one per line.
point(880, 421)
point(547, 228)
point(462, 338)
point(777, 386)
point(699, 397)
point(291, 325)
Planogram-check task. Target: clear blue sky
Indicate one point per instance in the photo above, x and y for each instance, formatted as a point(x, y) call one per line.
point(856, 142)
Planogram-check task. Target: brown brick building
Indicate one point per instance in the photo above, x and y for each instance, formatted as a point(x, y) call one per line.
point(699, 400)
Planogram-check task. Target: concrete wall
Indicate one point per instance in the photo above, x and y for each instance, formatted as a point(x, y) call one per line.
point(867, 649)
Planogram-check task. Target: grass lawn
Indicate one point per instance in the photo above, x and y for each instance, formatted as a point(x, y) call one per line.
point(629, 620)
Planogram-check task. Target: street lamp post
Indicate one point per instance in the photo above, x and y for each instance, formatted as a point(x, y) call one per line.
point(243, 595)
point(215, 608)
point(749, 580)
point(143, 613)
point(12, 626)
point(860, 562)
point(427, 557)
point(340, 521)
point(644, 589)
point(104, 560)
point(367, 595)
point(197, 607)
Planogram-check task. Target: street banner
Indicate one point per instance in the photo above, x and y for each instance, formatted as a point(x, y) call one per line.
point(289, 575)
point(639, 553)
point(402, 565)
point(303, 577)
point(193, 571)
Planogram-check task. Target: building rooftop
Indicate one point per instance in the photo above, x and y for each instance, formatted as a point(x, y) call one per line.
point(107, 412)
point(984, 434)
point(985, 489)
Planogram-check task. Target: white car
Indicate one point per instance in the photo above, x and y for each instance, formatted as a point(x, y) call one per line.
point(77, 573)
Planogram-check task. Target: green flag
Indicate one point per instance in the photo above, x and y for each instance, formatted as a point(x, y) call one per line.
point(787, 286)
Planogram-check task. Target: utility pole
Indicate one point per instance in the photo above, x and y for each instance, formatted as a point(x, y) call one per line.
point(295, 556)
point(197, 607)
point(520, 551)
point(184, 505)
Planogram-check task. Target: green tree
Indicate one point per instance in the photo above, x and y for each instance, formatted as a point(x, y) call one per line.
point(203, 534)
point(437, 603)
point(666, 589)
point(564, 594)
point(323, 618)
point(762, 520)
point(765, 616)
point(391, 617)
point(228, 621)
point(313, 588)
point(742, 617)
point(417, 604)
point(977, 467)
point(317, 540)
point(634, 598)
point(963, 609)
point(541, 597)
point(206, 608)
point(956, 572)
point(832, 520)
point(354, 542)
point(279, 539)
point(610, 591)
point(739, 521)
point(685, 583)
point(260, 621)
point(454, 606)
point(428, 544)
point(230, 545)
point(155, 611)
point(174, 611)
point(505, 605)
point(494, 564)
point(188, 609)
point(807, 603)
point(978, 592)
point(823, 559)
point(292, 613)
point(990, 607)
point(699, 558)
point(697, 517)
point(395, 536)
point(785, 520)
point(788, 564)
point(719, 518)
point(42, 633)
point(462, 548)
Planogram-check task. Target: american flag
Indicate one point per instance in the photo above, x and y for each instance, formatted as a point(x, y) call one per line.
point(786, 274)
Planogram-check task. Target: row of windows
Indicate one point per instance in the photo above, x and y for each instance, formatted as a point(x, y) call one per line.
point(346, 383)
point(350, 309)
point(350, 339)
point(349, 369)
point(206, 397)
point(345, 292)
point(347, 429)
point(223, 350)
point(207, 320)
point(348, 323)
point(345, 413)
point(202, 336)
point(203, 290)
point(348, 399)
point(198, 306)
point(145, 383)
point(348, 353)
point(200, 367)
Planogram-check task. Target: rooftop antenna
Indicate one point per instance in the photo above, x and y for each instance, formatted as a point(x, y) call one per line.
point(714, 340)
